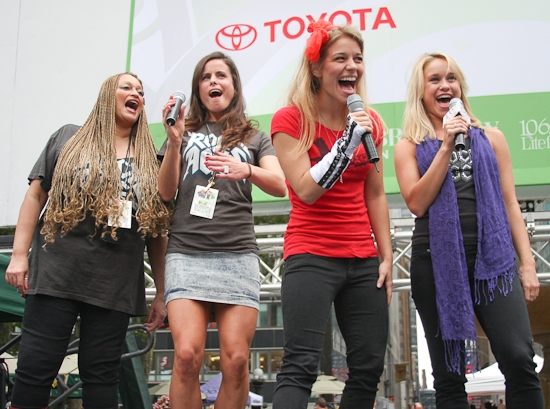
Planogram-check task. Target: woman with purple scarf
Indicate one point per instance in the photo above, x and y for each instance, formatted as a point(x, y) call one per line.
point(467, 233)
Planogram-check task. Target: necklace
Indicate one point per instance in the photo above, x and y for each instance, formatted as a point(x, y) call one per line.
point(335, 134)
point(325, 124)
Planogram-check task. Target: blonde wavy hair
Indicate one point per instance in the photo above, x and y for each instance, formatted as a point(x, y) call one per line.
point(416, 122)
point(86, 179)
point(303, 89)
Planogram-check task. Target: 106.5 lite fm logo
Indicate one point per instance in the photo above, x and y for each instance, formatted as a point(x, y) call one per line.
point(535, 134)
point(238, 37)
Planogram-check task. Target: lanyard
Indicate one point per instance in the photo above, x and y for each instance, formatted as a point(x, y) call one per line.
point(126, 192)
point(211, 181)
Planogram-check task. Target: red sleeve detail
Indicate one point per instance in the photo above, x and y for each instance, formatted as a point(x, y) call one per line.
point(287, 120)
point(378, 131)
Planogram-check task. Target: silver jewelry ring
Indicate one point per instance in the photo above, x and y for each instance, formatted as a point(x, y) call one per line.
point(225, 169)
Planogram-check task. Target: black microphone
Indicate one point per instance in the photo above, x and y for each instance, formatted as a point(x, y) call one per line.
point(456, 107)
point(174, 112)
point(355, 104)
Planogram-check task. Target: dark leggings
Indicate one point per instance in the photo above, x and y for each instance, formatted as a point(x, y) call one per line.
point(310, 285)
point(505, 321)
point(47, 327)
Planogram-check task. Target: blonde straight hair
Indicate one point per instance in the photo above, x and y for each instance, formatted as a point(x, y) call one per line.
point(416, 122)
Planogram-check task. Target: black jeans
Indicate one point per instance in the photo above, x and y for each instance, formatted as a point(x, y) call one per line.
point(47, 326)
point(505, 321)
point(310, 285)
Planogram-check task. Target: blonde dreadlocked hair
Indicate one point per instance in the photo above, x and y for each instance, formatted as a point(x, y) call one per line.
point(86, 178)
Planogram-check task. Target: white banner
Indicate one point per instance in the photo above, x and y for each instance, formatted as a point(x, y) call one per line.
point(56, 54)
point(502, 47)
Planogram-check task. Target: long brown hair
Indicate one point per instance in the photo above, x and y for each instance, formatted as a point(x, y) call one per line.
point(236, 128)
point(86, 178)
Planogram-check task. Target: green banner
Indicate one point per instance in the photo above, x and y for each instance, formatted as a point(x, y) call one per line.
point(523, 118)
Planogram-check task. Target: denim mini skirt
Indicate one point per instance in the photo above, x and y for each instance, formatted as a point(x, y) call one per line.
point(226, 278)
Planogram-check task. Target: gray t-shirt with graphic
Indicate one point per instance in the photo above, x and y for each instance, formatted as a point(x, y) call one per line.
point(231, 228)
point(84, 268)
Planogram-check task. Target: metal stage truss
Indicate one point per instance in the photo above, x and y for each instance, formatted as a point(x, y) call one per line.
point(270, 242)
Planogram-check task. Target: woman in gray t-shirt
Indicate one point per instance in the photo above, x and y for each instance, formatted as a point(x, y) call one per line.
point(211, 158)
point(100, 182)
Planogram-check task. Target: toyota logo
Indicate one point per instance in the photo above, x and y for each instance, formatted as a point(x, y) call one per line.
point(236, 37)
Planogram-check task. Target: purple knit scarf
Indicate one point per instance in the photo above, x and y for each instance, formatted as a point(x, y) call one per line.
point(494, 268)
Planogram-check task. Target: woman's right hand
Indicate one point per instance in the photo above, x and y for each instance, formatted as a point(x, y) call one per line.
point(175, 132)
point(453, 127)
point(170, 168)
point(17, 274)
point(18, 270)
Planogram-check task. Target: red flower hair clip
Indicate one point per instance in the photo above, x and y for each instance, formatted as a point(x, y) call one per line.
point(319, 36)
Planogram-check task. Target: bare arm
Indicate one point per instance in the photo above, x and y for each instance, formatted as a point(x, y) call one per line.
point(156, 249)
point(33, 203)
point(170, 169)
point(377, 209)
point(529, 279)
point(419, 192)
point(297, 167)
point(269, 176)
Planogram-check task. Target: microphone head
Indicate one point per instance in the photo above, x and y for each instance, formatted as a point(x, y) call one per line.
point(355, 103)
point(179, 95)
point(174, 112)
point(456, 107)
point(456, 102)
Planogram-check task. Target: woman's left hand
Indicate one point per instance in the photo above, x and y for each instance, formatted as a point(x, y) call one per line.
point(227, 167)
point(363, 120)
point(385, 278)
point(530, 283)
point(17, 274)
point(157, 314)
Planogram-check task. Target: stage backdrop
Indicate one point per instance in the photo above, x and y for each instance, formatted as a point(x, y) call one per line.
point(502, 48)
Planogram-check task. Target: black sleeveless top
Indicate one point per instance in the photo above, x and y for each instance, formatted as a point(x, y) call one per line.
point(462, 172)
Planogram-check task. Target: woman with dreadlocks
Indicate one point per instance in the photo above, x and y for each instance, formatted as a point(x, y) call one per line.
point(87, 248)
point(212, 158)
